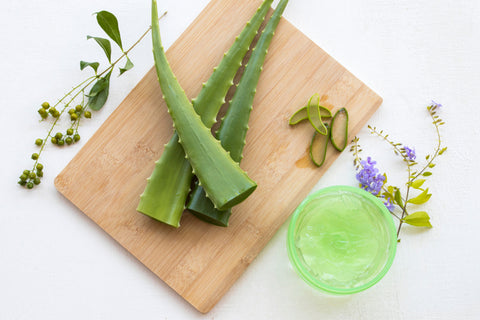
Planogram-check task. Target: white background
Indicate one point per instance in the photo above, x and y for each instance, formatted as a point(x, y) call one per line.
point(57, 264)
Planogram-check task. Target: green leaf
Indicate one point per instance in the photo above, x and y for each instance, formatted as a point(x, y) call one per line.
point(98, 87)
point(128, 66)
point(398, 198)
point(431, 165)
point(93, 65)
point(442, 151)
point(417, 184)
point(105, 44)
point(99, 93)
point(421, 198)
point(109, 23)
point(418, 219)
point(426, 174)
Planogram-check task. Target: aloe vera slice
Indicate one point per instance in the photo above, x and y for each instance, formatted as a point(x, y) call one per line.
point(314, 116)
point(339, 129)
point(318, 148)
point(174, 191)
point(301, 115)
point(234, 126)
point(225, 182)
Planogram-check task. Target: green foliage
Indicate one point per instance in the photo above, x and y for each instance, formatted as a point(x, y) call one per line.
point(418, 219)
point(93, 65)
point(77, 100)
point(109, 23)
point(128, 66)
point(99, 93)
point(105, 45)
point(399, 201)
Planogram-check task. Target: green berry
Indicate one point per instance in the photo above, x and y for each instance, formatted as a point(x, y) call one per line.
point(32, 175)
point(39, 166)
point(71, 111)
point(36, 181)
point(74, 117)
point(60, 142)
point(39, 173)
point(26, 172)
point(38, 142)
point(46, 105)
point(42, 111)
point(69, 131)
point(69, 140)
point(34, 156)
point(30, 185)
point(54, 140)
point(56, 114)
point(76, 137)
point(22, 182)
point(24, 177)
point(58, 135)
point(88, 114)
point(78, 108)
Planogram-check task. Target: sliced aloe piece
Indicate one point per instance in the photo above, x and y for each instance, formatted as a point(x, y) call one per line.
point(325, 113)
point(314, 116)
point(318, 148)
point(339, 129)
point(300, 115)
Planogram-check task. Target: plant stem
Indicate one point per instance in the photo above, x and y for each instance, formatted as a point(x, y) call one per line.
point(81, 87)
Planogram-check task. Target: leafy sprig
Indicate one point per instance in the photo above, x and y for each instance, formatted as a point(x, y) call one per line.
point(90, 94)
point(400, 201)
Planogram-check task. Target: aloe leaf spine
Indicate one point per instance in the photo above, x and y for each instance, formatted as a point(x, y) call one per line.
point(234, 126)
point(207, 104)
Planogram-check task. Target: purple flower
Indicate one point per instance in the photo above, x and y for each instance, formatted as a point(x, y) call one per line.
point(436, 105)
point(410, 153)
point(389, 205)
point(369, 178)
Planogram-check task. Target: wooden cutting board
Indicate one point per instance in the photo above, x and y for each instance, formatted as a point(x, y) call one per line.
point(200, 261)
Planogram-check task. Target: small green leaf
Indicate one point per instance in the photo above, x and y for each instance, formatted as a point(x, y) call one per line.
point(109, 23)
point(431, 165)
point(99, 93)
point(105, 45)
point(128, 66)
point(442, 151)
point(398, 198)
point(418, 219)
point(417, 183)
point(426, 174)
point(93, 65)
point(421, 198)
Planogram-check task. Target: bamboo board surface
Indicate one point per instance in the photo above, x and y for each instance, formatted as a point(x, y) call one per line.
point(200, 261)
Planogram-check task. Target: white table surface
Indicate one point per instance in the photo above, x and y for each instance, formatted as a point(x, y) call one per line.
point(57, 264)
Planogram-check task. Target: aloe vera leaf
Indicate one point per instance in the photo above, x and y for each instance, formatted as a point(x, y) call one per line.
point(301, 115)
point(234, 126)
point(160, 205)
point(209, 101)
point(225, 183)
point(318, 148)
point(314, 114)
point(339, 130)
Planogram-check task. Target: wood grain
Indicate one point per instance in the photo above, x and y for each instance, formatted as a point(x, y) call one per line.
point(199, 261)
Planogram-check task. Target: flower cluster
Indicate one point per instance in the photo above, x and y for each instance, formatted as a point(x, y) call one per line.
point(369, 177)
point(410, 153)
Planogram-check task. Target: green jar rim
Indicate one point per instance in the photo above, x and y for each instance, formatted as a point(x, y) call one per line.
point(303, 271)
